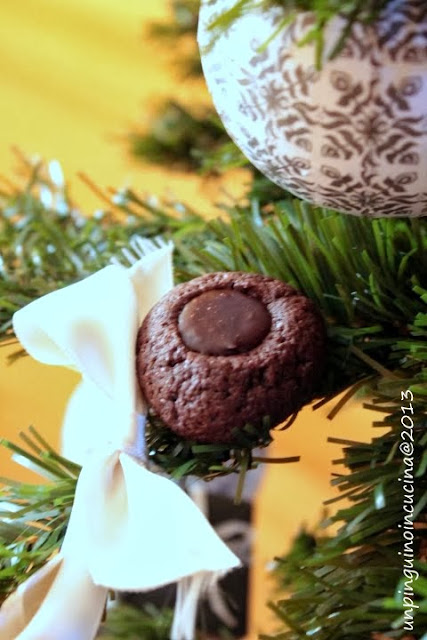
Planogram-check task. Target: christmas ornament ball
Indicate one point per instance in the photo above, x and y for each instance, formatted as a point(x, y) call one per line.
point(228, 349)
point(350, 135)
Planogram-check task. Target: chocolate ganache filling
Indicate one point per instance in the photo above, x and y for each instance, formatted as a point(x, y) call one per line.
point(223, 322)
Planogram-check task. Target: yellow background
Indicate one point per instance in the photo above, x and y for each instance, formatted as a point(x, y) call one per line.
point(74, 78)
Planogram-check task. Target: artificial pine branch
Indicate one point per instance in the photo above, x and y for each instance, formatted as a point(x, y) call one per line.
point(179, 31)
point(194, 138)
point(33, 517)
point(369, 278)
point(352, 12)
point(183, 21)
point(180, 138)
point(191, 138)
point(372, 320)
point(350, 586)
point(366, 276)
point(129, 623)
point(46, 242)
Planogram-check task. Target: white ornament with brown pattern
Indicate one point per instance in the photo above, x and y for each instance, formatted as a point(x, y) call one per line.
point(351, 136)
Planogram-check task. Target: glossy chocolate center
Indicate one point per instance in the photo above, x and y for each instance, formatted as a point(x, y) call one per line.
point(223, 322)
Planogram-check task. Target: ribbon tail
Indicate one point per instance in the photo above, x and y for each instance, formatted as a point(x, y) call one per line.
point(189, 592)
point(20, 607)
point(58, 601)
point(72, 608)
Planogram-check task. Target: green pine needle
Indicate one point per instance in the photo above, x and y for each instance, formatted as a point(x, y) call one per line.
point(353, 11)
point(347, 586)
point(180, 457)
point(46, 243)
point(185, 140)
point(33, 517)
point(128, 623)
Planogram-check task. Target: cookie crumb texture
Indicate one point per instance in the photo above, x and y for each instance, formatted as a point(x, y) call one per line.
point(205, 397)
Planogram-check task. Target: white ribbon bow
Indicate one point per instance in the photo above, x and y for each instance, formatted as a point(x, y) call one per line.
point(130, 529)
